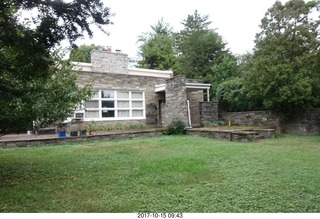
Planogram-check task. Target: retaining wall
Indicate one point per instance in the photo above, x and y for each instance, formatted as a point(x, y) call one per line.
point(57, 141)
point(249, 118)
point(302, 122)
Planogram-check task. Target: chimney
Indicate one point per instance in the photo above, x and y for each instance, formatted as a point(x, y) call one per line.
point(109, 62)
point(108, 48)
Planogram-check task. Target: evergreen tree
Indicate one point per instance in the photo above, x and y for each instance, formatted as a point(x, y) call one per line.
point(198, 47)
point(157, 47)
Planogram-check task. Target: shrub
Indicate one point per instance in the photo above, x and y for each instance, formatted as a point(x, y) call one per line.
point(214, 124)
point(175, 127)
point(137, 126)
point(119, 126)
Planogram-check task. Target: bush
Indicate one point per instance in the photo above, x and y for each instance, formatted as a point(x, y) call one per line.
point(175, 127)
point(137, 126)
point(214, 124)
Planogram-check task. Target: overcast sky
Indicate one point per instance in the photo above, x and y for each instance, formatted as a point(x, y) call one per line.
point(237, 21)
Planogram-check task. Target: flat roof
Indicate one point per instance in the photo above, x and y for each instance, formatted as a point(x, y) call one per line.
point(199, 86)
point(82, 66)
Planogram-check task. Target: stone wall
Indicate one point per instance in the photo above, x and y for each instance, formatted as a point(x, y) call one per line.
point(302, 122)
point(208, 112)
point(249, 118)
point(307, 122)
point(109, 62)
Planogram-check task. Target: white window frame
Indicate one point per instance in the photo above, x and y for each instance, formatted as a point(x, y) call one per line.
point(116, 109)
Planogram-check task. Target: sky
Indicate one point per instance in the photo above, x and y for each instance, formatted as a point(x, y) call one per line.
point(237, 21)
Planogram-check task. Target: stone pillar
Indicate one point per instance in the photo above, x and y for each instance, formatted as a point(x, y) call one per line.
point(176, 101)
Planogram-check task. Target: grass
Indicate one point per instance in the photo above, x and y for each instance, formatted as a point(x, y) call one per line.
point(164, 174)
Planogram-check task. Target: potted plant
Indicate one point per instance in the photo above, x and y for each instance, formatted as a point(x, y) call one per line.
point(91, 127)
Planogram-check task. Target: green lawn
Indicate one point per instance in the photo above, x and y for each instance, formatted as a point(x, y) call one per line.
point(164, 174)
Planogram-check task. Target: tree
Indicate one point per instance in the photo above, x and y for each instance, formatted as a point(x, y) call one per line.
point(198, 47)
point(28, 66)
point(82, 53)
point(229, 84)
point(45, 100)
point(230, 95)
point(227, 68)
point(157, 47)
point(284, 74)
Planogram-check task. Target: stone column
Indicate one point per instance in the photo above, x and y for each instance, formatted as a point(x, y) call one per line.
point(176, 101)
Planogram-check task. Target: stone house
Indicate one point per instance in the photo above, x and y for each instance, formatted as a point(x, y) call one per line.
point(140, 96)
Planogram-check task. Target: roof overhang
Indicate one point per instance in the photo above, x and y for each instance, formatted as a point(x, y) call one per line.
point(160, 88)
point(198, 86)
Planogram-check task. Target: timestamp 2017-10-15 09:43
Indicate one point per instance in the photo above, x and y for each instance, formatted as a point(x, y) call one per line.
point(160, 215)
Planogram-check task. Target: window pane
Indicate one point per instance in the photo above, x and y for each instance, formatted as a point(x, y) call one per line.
point(107, 104)
point(123, 113)
point(107, 94)
point(137, 104)
point(123, 104)
point(123, 94)
point(137, 95)
point(92, 114)
point(92, 104)
point(107, 113)
point(137, 113)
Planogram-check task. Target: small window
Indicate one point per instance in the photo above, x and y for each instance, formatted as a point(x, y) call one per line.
point(137, 104)
point(109, 94)
point(107, 104)
point(123, 95)
point(123, 104)
point(137, 95)
point(107, 113)
point(92, 114)
point(92, 104)
point(137, 113)
point(123, 113)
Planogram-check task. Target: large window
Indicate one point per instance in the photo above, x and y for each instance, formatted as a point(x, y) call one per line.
point(112, 105)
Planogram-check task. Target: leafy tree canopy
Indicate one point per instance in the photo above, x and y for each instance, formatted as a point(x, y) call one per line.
point(284, 74)
point(82, 53)
point(227, 68)
point(28, 66)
